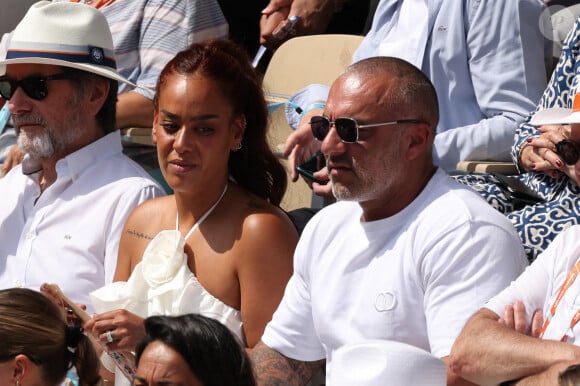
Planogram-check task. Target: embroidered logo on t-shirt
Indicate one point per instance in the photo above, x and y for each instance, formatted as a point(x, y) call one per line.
point(385, 301)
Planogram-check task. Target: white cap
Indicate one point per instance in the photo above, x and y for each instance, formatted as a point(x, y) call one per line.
point(385, 362)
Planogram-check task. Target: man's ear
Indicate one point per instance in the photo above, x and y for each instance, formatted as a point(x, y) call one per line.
point(98, 93)
point(419, 137)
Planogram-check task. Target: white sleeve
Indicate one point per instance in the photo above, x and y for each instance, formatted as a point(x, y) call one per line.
point(542, 279)
point(124, 207)
point(462, 271)
point(531, 287)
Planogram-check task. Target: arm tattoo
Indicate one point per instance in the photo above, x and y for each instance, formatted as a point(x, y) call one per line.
point(139, 235)
point(274, 369)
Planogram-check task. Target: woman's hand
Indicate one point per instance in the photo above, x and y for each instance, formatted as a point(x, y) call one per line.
point(120, 330)
point(540, 154)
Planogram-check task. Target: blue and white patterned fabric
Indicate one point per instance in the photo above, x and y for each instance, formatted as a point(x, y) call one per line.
point(538, 224)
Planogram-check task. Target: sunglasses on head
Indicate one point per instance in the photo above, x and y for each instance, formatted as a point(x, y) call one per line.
point(568, 151)
point(347, 128)
point(33, 86)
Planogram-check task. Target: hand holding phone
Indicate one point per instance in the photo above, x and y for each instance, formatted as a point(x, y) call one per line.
point(311, 166)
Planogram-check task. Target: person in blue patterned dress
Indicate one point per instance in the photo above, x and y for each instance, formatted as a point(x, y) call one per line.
point(539, 166)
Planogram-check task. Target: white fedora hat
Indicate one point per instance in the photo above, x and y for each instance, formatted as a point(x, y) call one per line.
point(385, 363)
point(558, 115)
point(64, 34)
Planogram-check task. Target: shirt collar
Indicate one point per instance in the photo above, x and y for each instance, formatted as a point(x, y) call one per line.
point(78, 161)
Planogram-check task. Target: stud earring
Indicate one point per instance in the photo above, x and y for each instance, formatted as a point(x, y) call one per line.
point(239, 146)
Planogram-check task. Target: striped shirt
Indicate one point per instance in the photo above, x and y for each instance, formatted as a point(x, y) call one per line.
point(148, 33)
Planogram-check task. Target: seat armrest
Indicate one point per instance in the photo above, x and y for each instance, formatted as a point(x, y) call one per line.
point(507, 168)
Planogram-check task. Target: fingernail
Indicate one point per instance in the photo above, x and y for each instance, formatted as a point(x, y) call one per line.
point(533, 166)
point(529, 140)
point(559, 163)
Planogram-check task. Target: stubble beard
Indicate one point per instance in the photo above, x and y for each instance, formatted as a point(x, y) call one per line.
point(371, 180)
point(365, 186)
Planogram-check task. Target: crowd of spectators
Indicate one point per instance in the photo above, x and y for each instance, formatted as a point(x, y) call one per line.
point(201, 273)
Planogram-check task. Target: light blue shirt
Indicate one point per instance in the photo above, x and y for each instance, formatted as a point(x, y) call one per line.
point(487, 60)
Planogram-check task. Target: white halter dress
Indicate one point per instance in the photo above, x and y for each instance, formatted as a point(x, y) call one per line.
point(162, 284)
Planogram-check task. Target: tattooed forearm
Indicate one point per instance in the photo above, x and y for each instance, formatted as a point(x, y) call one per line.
point(274, 369)
point(139, 235)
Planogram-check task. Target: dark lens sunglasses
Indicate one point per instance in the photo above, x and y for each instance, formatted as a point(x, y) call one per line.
point(33, 86)
point(568, 151)
point(347, 128)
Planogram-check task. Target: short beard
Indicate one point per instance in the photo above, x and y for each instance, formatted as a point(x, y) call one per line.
point(50, 141)
point(372, 183)
point(37, 146)
point(361, 188)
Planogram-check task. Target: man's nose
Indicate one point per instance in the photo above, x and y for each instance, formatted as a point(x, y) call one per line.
point(332, 142)
point(19, 102)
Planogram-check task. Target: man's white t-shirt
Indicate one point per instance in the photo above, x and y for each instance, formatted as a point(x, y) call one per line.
point(415, 277)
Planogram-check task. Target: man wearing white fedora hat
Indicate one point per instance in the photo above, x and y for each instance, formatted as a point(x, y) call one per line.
point(146, 35)
point(61, 222)
point(406, 254)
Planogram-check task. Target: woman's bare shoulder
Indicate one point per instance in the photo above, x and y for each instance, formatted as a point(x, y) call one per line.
point(266, 227)
point(264, 218)
point(151, 212)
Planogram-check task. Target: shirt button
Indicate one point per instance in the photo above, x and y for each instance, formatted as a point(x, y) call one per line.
point(29, 236)
point(18, 284)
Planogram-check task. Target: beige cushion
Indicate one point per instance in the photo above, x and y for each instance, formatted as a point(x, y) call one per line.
point(306, 60)
point(297, 63)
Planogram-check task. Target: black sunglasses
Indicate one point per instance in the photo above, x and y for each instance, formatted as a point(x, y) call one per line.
point(347, 128)
point(34, 86)
point(568, 151)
